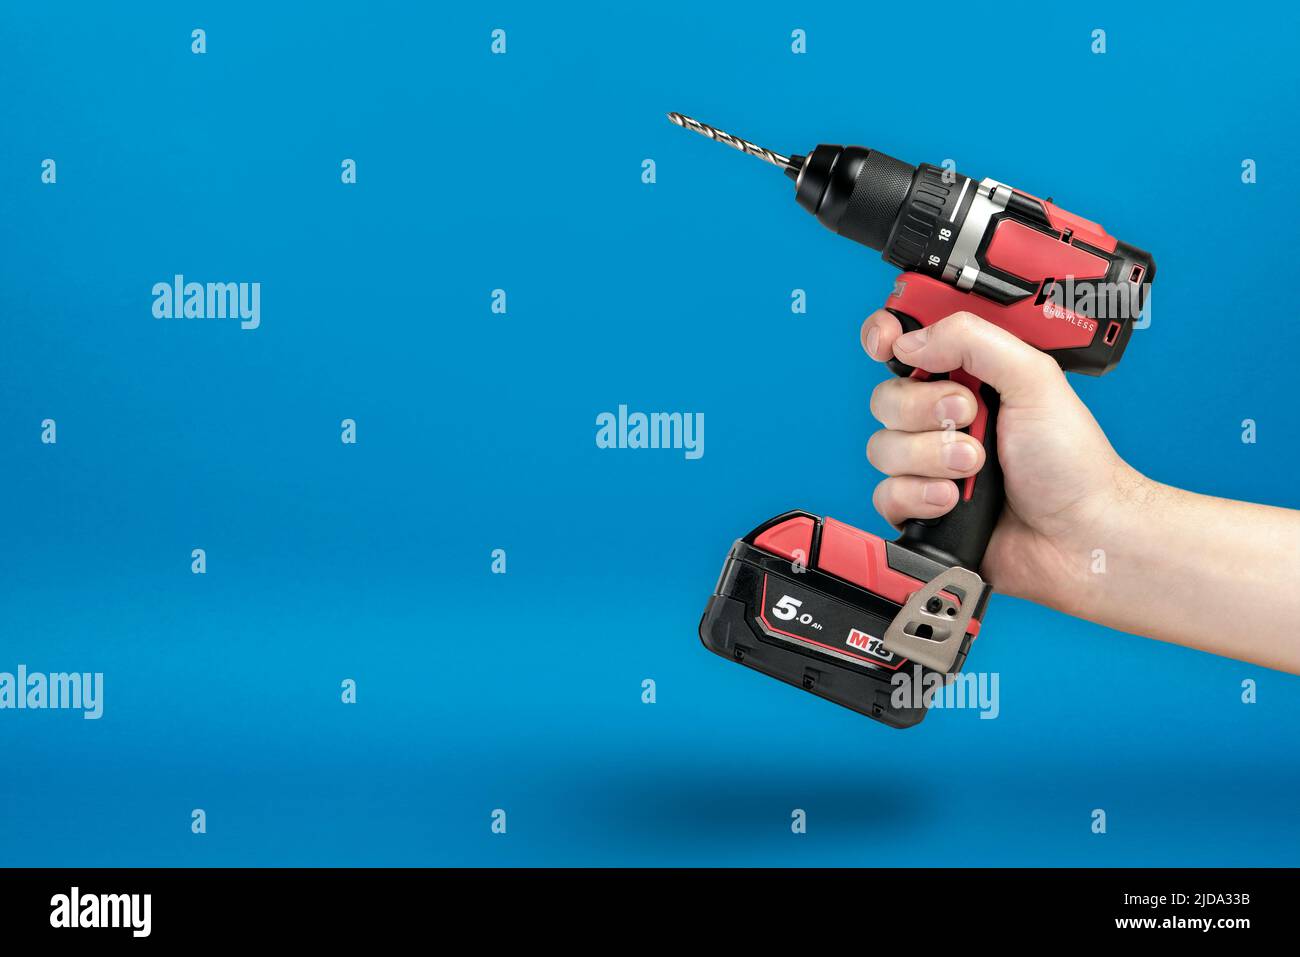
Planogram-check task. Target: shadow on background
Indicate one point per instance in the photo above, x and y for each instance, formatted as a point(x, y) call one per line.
point(723, 805)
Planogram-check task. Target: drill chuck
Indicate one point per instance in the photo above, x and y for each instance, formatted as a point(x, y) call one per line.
point(908, 213)
point(854, 191)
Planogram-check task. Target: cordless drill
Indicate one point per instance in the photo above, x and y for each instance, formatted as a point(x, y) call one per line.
point(839, 611)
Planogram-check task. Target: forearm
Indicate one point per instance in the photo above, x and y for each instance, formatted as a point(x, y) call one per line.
point(1204, 572)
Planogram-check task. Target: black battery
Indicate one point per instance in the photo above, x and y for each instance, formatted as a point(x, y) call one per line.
point(808, 601)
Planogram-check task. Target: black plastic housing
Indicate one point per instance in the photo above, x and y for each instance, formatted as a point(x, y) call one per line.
point(731, 627)
point(854, 191)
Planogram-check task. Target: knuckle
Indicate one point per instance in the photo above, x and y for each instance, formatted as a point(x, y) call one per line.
point(879, 398)
point(968, 328)
point(913, 404)
point(956, 323)
point(889, 495)
point(1050, 367)
point(939, 452)
point(875, 454)
point(880, 497)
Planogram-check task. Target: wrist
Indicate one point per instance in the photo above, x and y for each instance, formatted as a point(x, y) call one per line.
point(1111, 532)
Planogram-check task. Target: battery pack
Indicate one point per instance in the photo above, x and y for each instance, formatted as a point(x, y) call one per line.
point(809, 601)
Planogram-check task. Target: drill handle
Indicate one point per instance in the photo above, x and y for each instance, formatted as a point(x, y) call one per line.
point(961, 536)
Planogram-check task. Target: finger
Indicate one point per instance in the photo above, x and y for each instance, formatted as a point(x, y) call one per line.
point(989, 353)
point(934, 454)
point(878, 334)
point(916, 406)
point(910, 496)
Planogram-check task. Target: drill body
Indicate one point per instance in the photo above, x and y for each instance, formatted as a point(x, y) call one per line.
point(986, 248)
point(839, 611)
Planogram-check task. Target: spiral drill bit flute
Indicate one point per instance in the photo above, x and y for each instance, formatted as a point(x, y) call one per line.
point(735, 142)
point(839, 611)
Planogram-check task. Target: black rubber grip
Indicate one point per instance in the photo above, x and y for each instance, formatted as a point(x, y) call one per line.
point(962, 536)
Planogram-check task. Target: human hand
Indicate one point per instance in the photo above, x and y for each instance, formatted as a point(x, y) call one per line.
point(1065, 485)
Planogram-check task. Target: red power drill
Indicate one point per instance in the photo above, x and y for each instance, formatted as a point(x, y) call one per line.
point(839, 611)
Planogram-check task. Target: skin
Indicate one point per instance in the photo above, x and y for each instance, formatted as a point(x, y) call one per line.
point(1198, 571)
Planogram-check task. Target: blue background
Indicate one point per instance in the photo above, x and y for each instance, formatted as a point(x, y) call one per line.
point(476, 431)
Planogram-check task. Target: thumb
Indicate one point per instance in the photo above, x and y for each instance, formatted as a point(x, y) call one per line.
point(963, 340)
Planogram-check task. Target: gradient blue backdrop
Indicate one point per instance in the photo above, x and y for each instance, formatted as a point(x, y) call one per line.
point(476, 431)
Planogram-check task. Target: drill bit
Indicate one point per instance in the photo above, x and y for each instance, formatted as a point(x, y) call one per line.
point(735, 142)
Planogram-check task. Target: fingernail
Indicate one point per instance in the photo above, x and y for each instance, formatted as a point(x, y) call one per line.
point(959, 456)
point(937, 493)
point(873, 340)
point(912, 340)
point(953, 408)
